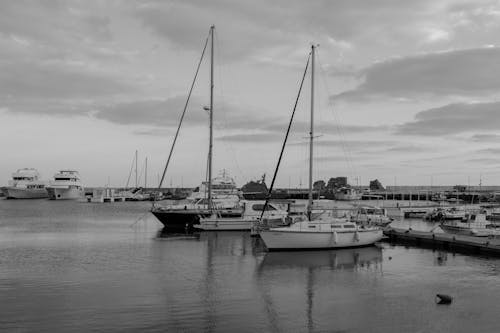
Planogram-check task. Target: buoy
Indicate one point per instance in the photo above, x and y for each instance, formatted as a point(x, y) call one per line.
point(390, 258)
point(443, 299)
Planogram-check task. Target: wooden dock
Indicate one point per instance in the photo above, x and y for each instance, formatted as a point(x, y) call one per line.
point(452, 242)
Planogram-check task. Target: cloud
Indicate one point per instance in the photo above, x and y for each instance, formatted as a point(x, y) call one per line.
point(454, 119)
point(26, 80)
point(53, 21)
point(251, 137)
point(484, 160)
point(485, 138)
point(471, 72)
point(493, 151)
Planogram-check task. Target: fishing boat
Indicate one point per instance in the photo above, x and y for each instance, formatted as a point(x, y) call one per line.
point(216, 194)
point(475, 225)
point(325, 231)
point(25, 184)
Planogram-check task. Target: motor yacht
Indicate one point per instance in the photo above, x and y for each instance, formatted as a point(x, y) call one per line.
point(66, 185)
point(25, 184)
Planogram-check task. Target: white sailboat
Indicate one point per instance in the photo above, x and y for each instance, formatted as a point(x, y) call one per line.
point(325, 232)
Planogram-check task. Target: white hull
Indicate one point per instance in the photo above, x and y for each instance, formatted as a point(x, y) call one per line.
point(65, 193)
point(227, 224)
point(230, 224)
point(295, 240)
point(24, 193)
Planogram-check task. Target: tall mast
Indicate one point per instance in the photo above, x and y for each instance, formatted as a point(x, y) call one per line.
point(311, 136)
point(146, 174)
point(136, 184)
point(212, 28)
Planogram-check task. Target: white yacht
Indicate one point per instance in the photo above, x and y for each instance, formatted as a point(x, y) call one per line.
point(25, 184)
point(66, 185)
point(252, 210)
point(323, 232)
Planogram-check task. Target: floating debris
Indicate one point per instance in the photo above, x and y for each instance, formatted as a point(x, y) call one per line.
point(443, 299)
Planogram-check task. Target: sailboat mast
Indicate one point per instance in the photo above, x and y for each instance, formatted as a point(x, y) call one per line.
point(311, 134)
point(146, 174)
point(136, 184)
point(210, 147)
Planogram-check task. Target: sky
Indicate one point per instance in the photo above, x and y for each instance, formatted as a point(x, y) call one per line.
point(407, 92)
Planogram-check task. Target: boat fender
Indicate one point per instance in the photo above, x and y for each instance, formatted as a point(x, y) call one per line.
point(335, 239)
point(356, 236)
point(443, 299)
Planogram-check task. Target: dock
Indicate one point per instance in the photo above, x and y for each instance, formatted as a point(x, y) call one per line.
point(453, 242)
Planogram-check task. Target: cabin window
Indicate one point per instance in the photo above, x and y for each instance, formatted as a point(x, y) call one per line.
point(336, 226)
point(349, 226)
point(311, 226)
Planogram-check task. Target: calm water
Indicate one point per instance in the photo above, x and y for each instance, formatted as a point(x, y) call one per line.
point(68, 266)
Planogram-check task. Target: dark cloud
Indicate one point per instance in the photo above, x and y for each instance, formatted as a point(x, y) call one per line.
point(493, 151)
point(26, 80)
point(470, 72)
point(324, 127)
point(484, 160)
point(485, 138)
point(251, 138)
point(453, 119)
point(53, 21)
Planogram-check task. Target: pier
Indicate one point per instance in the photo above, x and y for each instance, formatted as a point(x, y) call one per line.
point(453, 242)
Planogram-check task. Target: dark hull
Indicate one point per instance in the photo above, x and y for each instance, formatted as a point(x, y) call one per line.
point(180, 220)
point(185, 219)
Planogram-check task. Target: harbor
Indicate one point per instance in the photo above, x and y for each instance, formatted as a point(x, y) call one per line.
point(79, 253)
point(227, 166)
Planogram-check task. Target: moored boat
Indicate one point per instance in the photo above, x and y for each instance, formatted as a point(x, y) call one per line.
point(25, 184)
point(474, 225)
point(66, 185)
point(274, 216)
point(323, 232)
point(371, 215)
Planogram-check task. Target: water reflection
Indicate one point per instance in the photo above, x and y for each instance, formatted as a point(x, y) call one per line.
point(166, 234)
point(365, 257)
point(311, 266)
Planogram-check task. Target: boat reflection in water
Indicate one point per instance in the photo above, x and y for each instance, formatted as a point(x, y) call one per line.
point(167, 234)
point(302, 286)
point(365, 257)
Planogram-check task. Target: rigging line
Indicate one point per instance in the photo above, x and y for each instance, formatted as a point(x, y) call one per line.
point(268, 196)
point(183, 113)
point(223, 109)
point(130, 173)
point(340, 130)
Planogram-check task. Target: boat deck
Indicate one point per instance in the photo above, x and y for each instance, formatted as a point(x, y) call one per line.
point(486, 245)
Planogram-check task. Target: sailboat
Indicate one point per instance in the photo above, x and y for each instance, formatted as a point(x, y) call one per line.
point(325, 231)
point(184, 216)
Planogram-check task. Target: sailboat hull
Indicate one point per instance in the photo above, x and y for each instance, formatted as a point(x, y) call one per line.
point(180, 219)
point(276, 240)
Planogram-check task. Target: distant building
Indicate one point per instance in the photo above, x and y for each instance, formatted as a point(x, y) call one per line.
point(375, 185)
point(460, 188)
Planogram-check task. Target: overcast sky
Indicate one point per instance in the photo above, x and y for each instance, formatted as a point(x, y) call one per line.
point(407, 91)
